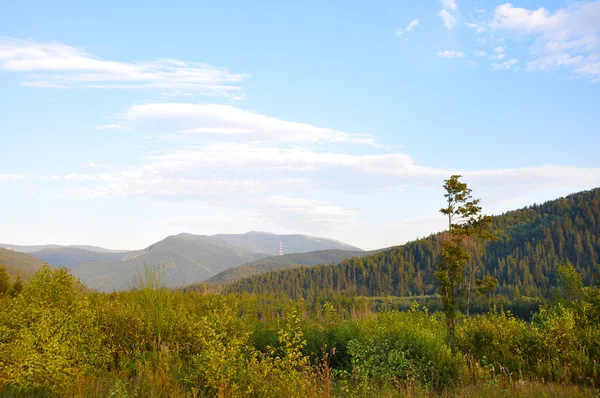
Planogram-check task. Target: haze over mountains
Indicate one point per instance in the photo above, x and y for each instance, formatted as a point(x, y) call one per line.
point(184, 258)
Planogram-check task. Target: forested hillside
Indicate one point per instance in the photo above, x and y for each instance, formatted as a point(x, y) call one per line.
point(287, 261)
point(532, 242)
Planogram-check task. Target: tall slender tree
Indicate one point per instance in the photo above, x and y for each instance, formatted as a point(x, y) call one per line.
point(464, 221)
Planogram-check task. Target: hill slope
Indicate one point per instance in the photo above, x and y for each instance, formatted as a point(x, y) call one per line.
point(287, 261)
point(21, 264)
point(71, 257)
point(533, 242)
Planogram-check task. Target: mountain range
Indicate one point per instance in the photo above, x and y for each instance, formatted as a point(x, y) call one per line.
point(182, 259)
point(532, 243)
point(35, 248)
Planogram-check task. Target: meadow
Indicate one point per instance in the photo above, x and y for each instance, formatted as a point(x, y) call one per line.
point(58, 338)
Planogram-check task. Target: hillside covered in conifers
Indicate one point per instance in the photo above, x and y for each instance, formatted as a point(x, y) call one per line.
point(287, 261)
point(531, 243)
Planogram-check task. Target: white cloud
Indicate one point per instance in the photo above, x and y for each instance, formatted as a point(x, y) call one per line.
point(566, 38)
point(409, 28)
point(206, 120)
point(449, 20)
point(52, 64)
point(449, 4)
point(505, 65)
point(281, 182)
point(450, 54)
point(110, 127)
point(412, 25)
point(479, 27)
point(499, 49)
point(291, 182)
point(309, 210)
point(480, 53)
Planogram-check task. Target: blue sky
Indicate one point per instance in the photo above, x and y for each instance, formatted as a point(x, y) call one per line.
point(123, 123)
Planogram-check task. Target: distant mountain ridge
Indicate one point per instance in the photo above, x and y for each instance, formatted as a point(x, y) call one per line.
point(184, 258)
point(35, 248)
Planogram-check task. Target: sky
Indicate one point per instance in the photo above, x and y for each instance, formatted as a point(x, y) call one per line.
point(124, 122)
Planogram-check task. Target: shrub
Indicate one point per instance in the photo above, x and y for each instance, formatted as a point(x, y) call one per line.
point(49, 334)
point(404, 349)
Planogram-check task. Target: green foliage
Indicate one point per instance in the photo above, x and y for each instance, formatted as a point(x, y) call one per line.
point(486, 285)
point(17, 286)
point(569, 281)
point(59, 339)
point(532, 243)
point(555, 346)
point(403, 349)
point(49, 334)
point(293, 260)
point(4, 282)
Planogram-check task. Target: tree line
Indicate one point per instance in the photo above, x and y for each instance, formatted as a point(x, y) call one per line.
point(530, 245)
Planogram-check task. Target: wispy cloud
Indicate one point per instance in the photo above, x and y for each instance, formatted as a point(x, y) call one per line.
point(449, 4)
point(479, 27)
point(285, 172)
point(409, 28)
point(450, 54)
point(449, 20)
point(567, 38)
point(282, 180)
point(413, 24)
point(213, 120)
point(505, 65)
point(309, 210)
point(110, 127)
point(449, 13)
point(56, 65)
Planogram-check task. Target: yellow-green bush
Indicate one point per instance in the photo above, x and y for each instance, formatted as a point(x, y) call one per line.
point(403, 349)
point(49, 334)
point(550, 347)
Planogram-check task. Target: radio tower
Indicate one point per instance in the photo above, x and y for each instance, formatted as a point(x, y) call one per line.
point(281, 248)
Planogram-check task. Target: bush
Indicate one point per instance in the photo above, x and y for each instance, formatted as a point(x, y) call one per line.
point(404, 349)
point(49, 334)
point(554, 346)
